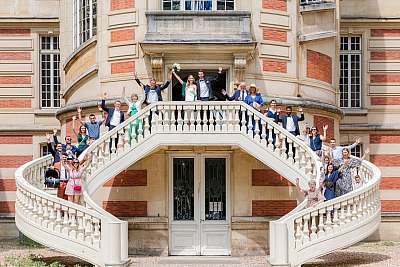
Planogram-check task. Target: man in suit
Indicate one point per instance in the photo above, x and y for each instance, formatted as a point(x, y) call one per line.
point(114, 118)
point(291, 123)
point(153, 91)
point(205, 90)
point(239, 94)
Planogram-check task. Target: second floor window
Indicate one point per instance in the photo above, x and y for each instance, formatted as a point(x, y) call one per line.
point(198, 4)
point(49, 72)
point(350, 71)
point(85, 18)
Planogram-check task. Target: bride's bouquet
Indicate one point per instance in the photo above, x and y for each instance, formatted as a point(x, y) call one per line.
point(176, 67)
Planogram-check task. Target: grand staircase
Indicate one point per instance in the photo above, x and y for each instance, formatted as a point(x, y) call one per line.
point(89, 232)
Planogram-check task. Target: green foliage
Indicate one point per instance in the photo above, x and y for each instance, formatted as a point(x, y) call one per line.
point(31, 260)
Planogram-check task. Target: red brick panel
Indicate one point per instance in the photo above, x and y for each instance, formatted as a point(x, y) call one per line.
point(262, 177)
point(320, 121)
point(274, 65)
point(123, 67)
point(129, 178)
point(385, 32)
point(15, 56)
point(126, 208)
point(385, 101)
point(15, 79)
point(15, 32)
point(271, 34)
point(385, 78)
point(272, 207)
point(385, 55)
point(13, 161)
point(7, 185)
point(390, 183)
point(384, 139)
point(385, 160)
point(390, 205)
point(7, 206)
point(15, 139)
point(122, 35)
point(70, 131)
point(16, 103)
point(319, 66)
point(280, 5)
point(122, 4)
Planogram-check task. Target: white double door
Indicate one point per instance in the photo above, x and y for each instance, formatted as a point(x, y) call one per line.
point(199, 205)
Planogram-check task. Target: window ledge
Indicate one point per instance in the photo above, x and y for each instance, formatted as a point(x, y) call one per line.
point(79, 51)
point(354, 112)
point(46, 111)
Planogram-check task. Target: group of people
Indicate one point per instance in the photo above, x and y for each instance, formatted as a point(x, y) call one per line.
point(68, 170)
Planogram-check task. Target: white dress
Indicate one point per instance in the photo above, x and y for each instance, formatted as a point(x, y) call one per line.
point(191, 93)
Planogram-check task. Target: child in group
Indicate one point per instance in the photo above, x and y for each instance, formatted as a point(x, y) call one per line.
point(314, 196)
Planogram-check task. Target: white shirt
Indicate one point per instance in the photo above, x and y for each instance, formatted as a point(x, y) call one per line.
point(242, 95)
point(64, 175)
point(290, 124)
point(204, 92)
point(116, 118)
point(152, 96)
point(337, 151)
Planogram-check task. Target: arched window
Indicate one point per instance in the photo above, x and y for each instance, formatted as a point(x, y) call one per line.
point(198, 4)
point(85, 21)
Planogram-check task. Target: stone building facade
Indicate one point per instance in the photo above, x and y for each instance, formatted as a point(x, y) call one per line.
point(333, 58)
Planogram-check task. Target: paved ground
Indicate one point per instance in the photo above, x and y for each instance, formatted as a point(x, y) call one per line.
point(374, 254)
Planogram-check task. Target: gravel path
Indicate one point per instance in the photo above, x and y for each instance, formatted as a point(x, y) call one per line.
point(371, 254)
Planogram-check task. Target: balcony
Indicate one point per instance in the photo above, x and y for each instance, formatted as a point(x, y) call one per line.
point(315, 5)
point(198, 27)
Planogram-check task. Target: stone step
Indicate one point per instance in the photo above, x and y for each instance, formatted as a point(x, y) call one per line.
point(210, 260)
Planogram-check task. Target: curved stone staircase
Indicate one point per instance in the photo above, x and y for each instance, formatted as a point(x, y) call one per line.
point(90, 233)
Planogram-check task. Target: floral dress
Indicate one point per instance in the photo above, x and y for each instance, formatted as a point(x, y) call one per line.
point(344, 185)
point(75, 179)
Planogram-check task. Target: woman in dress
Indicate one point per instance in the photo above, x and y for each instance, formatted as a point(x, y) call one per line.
point(82, 136)
point(254, 99)
point(316, 139)
point(345, 166)
point(329, 183)
point(135, 105)
point(189, 88)
point(74, 188)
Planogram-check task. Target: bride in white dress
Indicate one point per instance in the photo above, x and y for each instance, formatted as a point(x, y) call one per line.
point(189, 88)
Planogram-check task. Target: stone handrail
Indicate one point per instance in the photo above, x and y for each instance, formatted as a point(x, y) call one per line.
point(331, 225)
point(63, 225)
point(205, 118)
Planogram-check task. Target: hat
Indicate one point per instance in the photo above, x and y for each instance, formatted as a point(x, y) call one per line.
point(253, 85)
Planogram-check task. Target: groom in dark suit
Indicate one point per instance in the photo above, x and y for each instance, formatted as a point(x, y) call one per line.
point(205, 90)
point(291, 123)
point(114, 118)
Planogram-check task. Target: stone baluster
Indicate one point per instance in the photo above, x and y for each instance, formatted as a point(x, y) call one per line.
point(224, 119)
point(58, 221)
point(303, 159)
point(113, 149)
point(298, 232)
point(52, 216)
point(154, 121)
point(198, 119)
point(313, 227)
point(365, 205)
point(296, 155)
point(212, 120)
point(354, 209)
point(120, 145)
point(65, 223)
point(180, 121)
point(192, 127)
point(81, 229)
point(250, 125)
point(270, 137)
point(360, 206)
point(231, 121)
point(127, 137)
point(185, 119)
point(45, 221)
point(342, 214)
point(31, 208)
point(309, 168)
point(160, 119)
point(236, 121)
point(278, 143)
point(88, 229)
point(107, 155)
point(283, 147)
point(35, 209)
point(348, 209)
point(96, 233)
point(321, 226)
point(206, 127)
point(328, 223)
point(264, 136)
point(72, 223)
point(218, 120)
point(336, 221)
point(140, 134)
point(290, 152)
point(306, 230)
point(244, 127)
point(174, 119)
point(256, 128)
point(146, 117)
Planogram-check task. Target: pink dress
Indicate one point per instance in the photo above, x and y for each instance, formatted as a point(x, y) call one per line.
point(75, 178)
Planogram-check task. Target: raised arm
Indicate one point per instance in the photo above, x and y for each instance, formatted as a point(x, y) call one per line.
point(103, 103)
point(125, 98)
point(138, 81)
point(49, 146)
point(301, 118)
point(55, 137)
point(350, 147)
point(177, 77)
point(80, 116)
point(325, 129)
point(73, 125)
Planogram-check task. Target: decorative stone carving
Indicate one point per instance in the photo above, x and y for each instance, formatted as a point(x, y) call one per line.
point(157, 65)
point(240, 62)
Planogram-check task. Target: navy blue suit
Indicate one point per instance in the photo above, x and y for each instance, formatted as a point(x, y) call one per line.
point(210, 86)
point(158, 89)
point(110, 112)
point(296, 120)
point(236, 95)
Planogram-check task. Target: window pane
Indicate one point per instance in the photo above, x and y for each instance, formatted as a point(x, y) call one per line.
point(50, 73)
